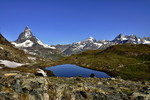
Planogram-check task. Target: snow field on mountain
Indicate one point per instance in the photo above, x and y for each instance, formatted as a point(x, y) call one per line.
point(27, 43)
point(10, 64)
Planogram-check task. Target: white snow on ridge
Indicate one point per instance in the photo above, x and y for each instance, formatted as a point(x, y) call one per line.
point(45, 45)
point(146, 42)
point(98, 44)
point(1, 48)
point(124, 38)
point(10, 64)
point(27, 43)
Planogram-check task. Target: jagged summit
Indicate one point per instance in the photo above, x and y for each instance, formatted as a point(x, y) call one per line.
point(25, 35)
point(27, 39)
point(128, 39)
point(27, 32)
point(121, 37)
point(26, 28)
point(31, 44)
point(90, 39)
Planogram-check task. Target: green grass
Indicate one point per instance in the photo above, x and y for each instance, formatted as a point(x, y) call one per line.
point(129, 61)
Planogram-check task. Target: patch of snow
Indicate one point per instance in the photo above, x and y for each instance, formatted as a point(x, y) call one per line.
point(139, 40)
point(132, 39)
point(26, 51)
point(28, 34)
point(45, 45)
point(81, 46)
point(41, 72)
point(32, 58)
point(98, 44)
point(1, 48)
point(32, 53)
point(10, 64)
point(27, 43)
point(146, 42)
point(124, 38)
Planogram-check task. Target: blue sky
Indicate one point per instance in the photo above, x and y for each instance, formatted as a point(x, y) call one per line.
point(67, 21)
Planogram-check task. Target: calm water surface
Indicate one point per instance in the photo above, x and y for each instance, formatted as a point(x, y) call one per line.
point(69, 70)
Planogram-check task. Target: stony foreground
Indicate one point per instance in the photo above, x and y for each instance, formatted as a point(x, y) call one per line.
point(15, 86)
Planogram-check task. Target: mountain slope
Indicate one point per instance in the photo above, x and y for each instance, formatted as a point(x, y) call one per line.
point(28, 42)
point(130, 61)
point(9, 53)
point(77, 47)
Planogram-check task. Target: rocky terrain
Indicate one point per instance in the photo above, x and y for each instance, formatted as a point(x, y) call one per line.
point(25, 86)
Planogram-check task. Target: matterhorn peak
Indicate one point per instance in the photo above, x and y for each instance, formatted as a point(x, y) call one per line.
point(25, 35)
point(27, 39)
point(27, 32)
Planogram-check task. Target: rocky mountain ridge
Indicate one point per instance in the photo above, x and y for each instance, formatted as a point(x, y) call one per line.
point(93, 44)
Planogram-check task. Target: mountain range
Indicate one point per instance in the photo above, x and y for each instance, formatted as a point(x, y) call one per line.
point(31, 44)
point(93, 44)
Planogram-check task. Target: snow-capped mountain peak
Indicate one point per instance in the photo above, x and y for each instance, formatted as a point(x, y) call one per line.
point(27, 39)
point(91, 39)
point(127, 39)
point(121, 37)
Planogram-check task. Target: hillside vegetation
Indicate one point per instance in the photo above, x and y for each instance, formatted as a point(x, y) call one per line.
point(128, 61)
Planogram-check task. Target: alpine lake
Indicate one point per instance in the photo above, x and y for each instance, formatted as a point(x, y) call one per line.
point(69, 70)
